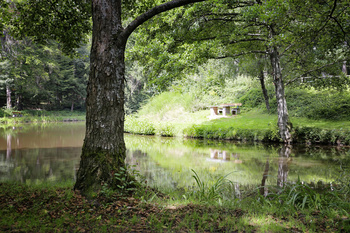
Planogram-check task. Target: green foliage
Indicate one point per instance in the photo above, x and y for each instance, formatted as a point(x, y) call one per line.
point(6, 112)
point(166, 129)
point(42, 77)
point(300, 195)
point(319, 104)
point(139, 126)
point(164, 103)
point(324, 136)
point(253, 98)
point(67, 22)
point(210, 193)
point(36, 116)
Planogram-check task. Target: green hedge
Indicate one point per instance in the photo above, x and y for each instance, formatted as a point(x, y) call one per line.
point(321, 136)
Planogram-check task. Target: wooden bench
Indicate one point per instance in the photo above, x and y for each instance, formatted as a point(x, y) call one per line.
point(16, 114)
point(225, 109)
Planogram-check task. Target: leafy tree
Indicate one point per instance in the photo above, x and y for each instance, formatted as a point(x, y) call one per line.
point(37, 74)
point(297, 38)
point(103, 152)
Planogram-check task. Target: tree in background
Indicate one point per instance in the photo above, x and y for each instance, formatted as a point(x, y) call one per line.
point(41, 76)
point(296, 38)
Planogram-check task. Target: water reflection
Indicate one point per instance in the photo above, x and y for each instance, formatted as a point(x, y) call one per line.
point(36, 153)
point(249, 164)
point(223, 156)
point(283, 162)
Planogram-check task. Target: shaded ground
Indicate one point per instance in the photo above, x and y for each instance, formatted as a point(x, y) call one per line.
point(24, 209)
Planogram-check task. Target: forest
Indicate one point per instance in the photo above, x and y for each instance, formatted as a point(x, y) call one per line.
point(154, 67)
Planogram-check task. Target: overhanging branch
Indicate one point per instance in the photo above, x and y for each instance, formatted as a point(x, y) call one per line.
point(153, 12)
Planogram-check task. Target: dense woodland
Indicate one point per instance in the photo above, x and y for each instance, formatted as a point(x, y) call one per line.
point(35, 76)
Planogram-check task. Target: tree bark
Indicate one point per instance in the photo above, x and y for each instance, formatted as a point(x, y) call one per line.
point(264, 90)
point(283, 122)
point(103, 152)
point(8, 97)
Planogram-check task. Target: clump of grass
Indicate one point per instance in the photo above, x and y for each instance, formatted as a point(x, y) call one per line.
point(210, 193)
point(166, 130)
point(139, 126)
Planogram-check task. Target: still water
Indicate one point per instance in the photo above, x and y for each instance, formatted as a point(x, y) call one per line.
point(51, 152)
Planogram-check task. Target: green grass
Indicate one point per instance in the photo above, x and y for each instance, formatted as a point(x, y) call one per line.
point(41, 208)
point(33, 116)
point(252, 125)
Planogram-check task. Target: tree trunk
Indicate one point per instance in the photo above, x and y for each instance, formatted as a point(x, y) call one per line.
point(344, 68)
point(284, 124)
point(103, 152)
point(8, 97)
point(264, 91)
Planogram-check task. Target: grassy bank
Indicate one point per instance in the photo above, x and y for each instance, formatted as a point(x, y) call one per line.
point(252, 125)
point(36, 116)
point(209, 207)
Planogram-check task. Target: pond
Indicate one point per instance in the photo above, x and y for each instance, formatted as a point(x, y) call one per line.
point(51, 152)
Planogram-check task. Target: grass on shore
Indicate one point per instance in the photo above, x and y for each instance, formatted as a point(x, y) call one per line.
point(254, 125)
point(296, 208)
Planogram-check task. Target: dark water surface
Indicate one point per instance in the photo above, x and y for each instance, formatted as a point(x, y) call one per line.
point(51, 152)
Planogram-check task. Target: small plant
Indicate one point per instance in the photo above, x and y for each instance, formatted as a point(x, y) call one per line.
point(125, 181)
point(210, 193)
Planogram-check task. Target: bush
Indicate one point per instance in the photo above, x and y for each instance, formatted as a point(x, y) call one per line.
point(323, 136)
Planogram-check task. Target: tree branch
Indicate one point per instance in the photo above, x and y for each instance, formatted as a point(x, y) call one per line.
point(243, 54)
point(310, 71)
point(153, 12)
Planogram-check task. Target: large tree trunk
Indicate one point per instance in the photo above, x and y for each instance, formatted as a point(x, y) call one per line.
point(103, 152)
point(282, 111)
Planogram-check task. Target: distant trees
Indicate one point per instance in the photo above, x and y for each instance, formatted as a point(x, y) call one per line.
point(41, 76)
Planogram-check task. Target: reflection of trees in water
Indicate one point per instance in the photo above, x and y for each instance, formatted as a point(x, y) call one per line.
point(9, 147)
point(283, 162)
point(155, 175)
point(169, 162)
point(283, 169)
point(42, 164)
point(263, 188)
